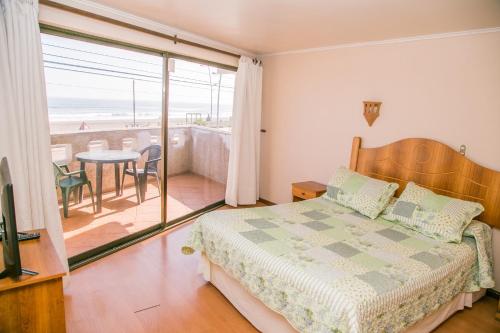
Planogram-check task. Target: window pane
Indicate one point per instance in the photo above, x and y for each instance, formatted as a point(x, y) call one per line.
point(199, 133)
point(104, 101)
point(200, 94)
point(96, 87)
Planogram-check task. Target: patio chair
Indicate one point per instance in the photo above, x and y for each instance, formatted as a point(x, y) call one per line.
point(62, 153)
point(69, 182)
point(150, 169)
point(98, 145)
point(129, 144)
point(155, 139)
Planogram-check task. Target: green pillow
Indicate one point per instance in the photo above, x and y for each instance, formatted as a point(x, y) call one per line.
point(366, 195)
point(433, 215)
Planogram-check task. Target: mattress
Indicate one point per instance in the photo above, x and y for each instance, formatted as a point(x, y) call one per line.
point(265, 320)
point(325, 268)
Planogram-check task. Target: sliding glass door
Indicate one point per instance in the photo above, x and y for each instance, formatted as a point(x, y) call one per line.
point(105, 109)
point(200, 100)
point(140, 139)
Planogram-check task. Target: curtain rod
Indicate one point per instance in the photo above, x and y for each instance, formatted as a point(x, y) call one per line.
point(174, 38)
point(58, 31)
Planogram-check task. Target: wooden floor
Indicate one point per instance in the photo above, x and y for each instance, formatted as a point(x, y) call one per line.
point(122, 216)
point(152, 287)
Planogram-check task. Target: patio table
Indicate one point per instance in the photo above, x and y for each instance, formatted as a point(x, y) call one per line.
point(111, 157)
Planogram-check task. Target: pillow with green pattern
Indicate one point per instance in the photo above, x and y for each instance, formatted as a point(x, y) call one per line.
point(366, 195)
point(433, 215)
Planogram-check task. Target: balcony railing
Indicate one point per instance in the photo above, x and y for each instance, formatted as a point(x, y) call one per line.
point(191, 148)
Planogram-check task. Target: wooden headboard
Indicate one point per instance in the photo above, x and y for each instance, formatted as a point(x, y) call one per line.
point(433, 165)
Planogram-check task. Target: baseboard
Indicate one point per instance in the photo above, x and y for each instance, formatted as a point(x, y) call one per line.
point(267, 202)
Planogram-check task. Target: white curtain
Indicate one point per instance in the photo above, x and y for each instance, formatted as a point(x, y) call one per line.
point(24, 123)
point(244, 157)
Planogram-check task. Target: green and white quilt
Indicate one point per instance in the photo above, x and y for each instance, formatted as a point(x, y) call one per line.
point(326, 268)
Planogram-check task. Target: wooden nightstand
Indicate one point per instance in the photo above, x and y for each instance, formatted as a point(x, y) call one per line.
point(307, 190)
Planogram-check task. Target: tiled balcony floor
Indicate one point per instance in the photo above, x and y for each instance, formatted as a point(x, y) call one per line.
point(121, 216)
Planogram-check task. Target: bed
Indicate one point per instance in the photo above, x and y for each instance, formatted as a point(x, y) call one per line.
point(316, 266)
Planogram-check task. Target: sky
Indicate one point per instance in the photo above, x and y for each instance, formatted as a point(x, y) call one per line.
point(84, 70)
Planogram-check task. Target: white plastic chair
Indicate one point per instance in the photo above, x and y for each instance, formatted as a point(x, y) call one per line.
point(129, 144)
point(97, 145)
point(62, 153)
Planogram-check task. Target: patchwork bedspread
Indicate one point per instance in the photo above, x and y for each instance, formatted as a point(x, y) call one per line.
point(326, 268)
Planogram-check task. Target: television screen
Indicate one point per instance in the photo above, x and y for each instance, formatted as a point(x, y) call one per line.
point(11, 257)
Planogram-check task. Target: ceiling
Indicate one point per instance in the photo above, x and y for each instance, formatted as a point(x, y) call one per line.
point(267, 26)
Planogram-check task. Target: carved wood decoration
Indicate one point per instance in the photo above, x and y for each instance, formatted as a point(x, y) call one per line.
point(371, 111)
point(433, 165)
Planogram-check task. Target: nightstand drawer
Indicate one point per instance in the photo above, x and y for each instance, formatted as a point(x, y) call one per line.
point(307, 190)
point(304, 194)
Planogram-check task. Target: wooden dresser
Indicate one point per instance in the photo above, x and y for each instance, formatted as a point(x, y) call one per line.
point(34, 303)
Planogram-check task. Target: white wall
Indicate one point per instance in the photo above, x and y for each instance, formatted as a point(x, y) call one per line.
point(445, 89)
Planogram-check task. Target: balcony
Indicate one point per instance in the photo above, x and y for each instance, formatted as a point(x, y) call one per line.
point(197, 159)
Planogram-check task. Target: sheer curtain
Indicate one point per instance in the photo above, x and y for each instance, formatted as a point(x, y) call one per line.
point(24, 123)
point(244, 157)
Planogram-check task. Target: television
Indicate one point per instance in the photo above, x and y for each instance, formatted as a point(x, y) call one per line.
point(10, 243)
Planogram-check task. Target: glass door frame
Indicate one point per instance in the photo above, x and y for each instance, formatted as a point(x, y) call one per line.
point(118, 244)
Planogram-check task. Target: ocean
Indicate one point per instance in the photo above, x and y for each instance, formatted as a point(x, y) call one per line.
point(84, 109)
